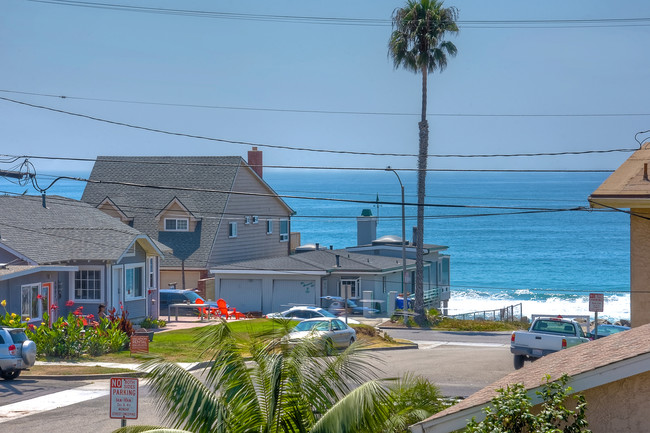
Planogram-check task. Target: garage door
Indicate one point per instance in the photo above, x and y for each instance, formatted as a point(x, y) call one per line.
point(244, 295)
point(287, 293)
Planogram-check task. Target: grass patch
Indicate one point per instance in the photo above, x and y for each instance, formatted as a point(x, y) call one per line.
point(479, 325)
point(180, 345)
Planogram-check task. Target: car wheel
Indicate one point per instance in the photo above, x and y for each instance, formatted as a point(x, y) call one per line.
point(519, 361)
point(10, 375)
point(351, 341)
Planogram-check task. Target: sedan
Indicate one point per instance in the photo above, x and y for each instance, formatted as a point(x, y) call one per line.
point(333, 331)
point(305, 312)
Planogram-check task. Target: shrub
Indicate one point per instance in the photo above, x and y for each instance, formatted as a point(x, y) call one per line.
point(151, 323)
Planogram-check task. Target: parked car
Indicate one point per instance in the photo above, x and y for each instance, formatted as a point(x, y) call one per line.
point(178, 296)
point(17, 352)
point(546, 335)
point(606, 330)
point(305, 312)
point(337, 306)
point(331, 330)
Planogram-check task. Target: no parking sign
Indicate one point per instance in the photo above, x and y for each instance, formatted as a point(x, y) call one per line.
point(124, 398)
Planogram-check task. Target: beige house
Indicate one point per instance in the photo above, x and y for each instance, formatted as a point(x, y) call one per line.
point(613, 373)
point(629, 188)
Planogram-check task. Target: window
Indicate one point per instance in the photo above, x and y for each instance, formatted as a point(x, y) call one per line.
point(269, 227)
point(284, 230)
point(232, 229)
point(153, 274)
point(30, 306)
point(177, 224)
point(134, 281)
point(88, 284)
point(247, 220)
point(351, 287)
point(131, 251)
point(256, 219)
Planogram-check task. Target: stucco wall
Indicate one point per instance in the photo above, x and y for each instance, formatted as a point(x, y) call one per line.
point(619, 406)
point(640, 268)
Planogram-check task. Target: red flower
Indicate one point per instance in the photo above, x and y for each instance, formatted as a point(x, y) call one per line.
point(53, 307)
point(112, 310)
point(64, 323)
point(121, 306)
point(90, 317)
point(39, 296)
point(31, 327)
point(69, 303)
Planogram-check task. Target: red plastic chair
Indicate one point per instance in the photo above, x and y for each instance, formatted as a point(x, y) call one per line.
point(206, 311)
point(223, 309)
point(237, 314)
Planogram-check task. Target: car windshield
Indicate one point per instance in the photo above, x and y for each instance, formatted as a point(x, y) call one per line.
point(326, 313)
point(18, 336)
point(192, 297)
point(309, 325)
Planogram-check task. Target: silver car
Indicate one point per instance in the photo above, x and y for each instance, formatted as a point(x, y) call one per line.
point(17, 352)
point(334, 332)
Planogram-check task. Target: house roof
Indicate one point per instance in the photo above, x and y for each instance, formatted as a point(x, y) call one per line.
point(64, 231)
point(588, 365)
point(8, 272)
point(626, 187)
point(320, 260)
point(203, 184)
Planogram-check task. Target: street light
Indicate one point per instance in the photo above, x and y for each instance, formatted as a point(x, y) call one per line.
point(404, 300)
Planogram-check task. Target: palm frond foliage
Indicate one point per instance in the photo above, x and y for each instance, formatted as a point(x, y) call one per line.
point(259, 384)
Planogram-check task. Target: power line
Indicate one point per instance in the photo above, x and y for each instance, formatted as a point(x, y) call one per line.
point(368, 22)
point(346, 152)
point(346, 112)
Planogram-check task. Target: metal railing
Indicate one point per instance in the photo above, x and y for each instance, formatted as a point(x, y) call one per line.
point(510, 313)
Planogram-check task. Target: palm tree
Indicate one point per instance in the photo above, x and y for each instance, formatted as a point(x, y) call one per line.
point(417, 44)
point(259, 385)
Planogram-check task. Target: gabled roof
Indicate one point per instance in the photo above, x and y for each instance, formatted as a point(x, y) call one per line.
point(66, 230)
point(15, 271)
point(180, 204)
point(202, 183)
point(589, 365)
point(321, 260)
point(116, 208)
point(627, 187)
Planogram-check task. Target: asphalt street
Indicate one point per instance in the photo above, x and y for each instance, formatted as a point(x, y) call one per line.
point(459, 363)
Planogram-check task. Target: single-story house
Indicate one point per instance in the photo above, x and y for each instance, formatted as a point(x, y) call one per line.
point(71, 253)
point(613, 373)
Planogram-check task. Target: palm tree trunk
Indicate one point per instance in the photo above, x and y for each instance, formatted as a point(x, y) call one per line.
point(422, 174)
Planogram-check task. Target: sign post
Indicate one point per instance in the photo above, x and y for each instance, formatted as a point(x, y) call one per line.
point(596, 304)
point(124, 398)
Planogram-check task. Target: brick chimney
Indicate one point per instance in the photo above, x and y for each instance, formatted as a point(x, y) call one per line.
point(255, 160)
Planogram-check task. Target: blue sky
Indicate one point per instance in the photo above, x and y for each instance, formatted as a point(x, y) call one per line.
point(116, 55)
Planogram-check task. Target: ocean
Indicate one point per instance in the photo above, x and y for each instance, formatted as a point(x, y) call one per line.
point(511, 238)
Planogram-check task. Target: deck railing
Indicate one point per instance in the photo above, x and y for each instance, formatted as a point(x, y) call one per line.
point(510, 313)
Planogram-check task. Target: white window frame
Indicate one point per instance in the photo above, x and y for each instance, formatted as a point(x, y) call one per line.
point(131, 267)
point(256, 219)
point(269, 227)
point(32, 314)
point(73, 282)
point(247, 219)
point(176, 229)
point(232, 229)
point(284, 237)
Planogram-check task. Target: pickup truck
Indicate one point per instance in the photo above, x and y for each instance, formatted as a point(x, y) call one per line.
point(546, 335)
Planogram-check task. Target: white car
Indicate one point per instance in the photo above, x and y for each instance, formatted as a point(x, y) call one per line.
point(305, 312)
point(17, 352)
point(333, 331)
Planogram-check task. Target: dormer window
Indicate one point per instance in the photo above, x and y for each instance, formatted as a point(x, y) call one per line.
point(177, 224)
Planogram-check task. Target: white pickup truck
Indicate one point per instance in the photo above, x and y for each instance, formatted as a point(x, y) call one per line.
point(546, 335)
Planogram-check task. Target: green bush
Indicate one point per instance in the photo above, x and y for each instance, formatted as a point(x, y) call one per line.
point(151, 323)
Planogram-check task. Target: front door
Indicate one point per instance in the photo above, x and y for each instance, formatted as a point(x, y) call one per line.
point(117, 292)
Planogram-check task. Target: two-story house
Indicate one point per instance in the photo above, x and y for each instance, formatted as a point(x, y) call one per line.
point(209, 210)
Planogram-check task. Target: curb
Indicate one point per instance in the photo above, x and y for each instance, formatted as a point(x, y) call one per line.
point(83, 376)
